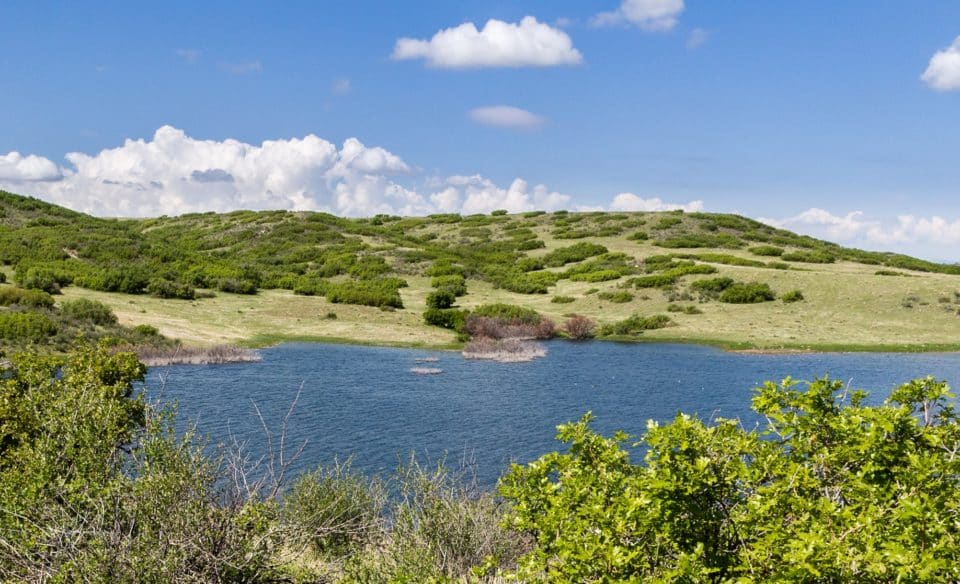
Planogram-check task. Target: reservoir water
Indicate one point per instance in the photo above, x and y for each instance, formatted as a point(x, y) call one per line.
point(365, 402)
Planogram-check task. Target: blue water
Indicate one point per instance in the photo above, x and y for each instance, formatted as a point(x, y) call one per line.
point(364, 402)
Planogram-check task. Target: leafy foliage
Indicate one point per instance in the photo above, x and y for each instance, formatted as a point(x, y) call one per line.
point(832, 490)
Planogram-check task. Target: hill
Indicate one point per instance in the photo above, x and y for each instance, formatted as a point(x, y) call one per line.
point(259, 277)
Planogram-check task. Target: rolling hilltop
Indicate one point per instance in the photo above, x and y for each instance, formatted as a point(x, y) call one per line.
point(257, 277)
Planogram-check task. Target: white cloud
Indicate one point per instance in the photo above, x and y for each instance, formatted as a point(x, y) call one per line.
point(172, 173)
point(505, 116)
point(632, 202)
point(943, 72)
point(499, 44)
point(856, 227)
point(697, 38)
point(648, 15)
point(14, 167)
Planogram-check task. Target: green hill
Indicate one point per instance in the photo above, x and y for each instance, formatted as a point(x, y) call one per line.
point(257, 277)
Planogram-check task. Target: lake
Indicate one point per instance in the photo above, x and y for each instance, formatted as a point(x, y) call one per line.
point(365, 402)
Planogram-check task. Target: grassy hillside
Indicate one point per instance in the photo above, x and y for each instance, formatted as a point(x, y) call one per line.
point(258, 277)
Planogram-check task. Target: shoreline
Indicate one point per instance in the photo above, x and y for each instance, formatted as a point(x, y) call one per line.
point(741, 347)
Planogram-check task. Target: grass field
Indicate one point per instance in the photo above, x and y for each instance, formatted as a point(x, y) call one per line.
point(846, 307)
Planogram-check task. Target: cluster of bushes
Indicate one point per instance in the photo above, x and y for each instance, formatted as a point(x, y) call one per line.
point(669, 277)
point(635, 325)
point(809, 257)
point(89, 311)
point(26, 326)
point(162, 288)
point(747, 293)
point(616, 296)
point(687, 309)
point(574, 253)
point(711, 288)
point(453, 283)
point(579, 327)
point(383, 292)
point(767, 250)
point(562, 299)
point(11, 295)
point(694, 240)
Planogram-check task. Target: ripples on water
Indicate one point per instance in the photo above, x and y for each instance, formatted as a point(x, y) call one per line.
point(365, 402)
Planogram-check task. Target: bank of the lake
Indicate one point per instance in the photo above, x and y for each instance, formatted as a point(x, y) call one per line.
point(365, 402)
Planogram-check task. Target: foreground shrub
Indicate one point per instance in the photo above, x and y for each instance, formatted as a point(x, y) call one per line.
point(749, 293)
point(798, 501)
point(335, 510)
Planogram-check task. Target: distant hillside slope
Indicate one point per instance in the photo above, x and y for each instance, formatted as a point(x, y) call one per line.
point(604, 265)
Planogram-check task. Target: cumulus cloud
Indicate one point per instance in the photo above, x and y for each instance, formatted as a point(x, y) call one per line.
point(857, 228)
point(189, 55)
point(172, 173)
point(505, 116)
point(943, 71)
point(648, 15)
point(632, 202)
point(14, 167)
point(342, 86)
point(499, 44)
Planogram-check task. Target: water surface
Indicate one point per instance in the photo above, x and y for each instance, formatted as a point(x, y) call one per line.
point(364, 401)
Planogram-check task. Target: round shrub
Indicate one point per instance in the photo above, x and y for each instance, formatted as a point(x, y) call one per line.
point(441, 298)
point(792, 296)
point(90, 311)
point(750, 293)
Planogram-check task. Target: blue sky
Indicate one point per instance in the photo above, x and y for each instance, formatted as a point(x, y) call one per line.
point(811, 115)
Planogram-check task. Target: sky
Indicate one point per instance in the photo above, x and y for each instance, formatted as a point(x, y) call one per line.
point(835, 119)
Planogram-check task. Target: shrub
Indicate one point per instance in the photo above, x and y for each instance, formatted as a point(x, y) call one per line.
point(810, 257)
point(712, 287)
point(91, 311)
point(639, 236)
point(635, 324)
point(380, 293)
point(617, 297)
point(652, 281)
point(498, 212)
point(666, 223)
point(449, 319)
point(579, 327)
point(162, 288)
point(335, 510)
point(688, 309)
point(236, 286)
point(26, 327)
point(10, 295)
point(441, 299)
point(310, 285)
point(48, 280)
point(767, 250)
point(598, 276)
point(146, 330)
point(509, 312)
point(747, 293)
point(455, 283)
point(794, 296)
point(717, 501)
point(696, 240)
point(574, 253)
point(444, 268)
point(562, 299)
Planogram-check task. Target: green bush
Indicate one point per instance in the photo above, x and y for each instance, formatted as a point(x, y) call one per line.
point(635, 325)
point(46, 279)
point(335, 510)
point(91, 311)
point(828, 489)
point(310, 285)
point(441, 298)
point(666, 223)
point(747, 293)
point(508, 312)
point(381, 293)
point(562, 299)
point(712, 287)
point(792, 296)
point(598, 276)
point(452, 282)
point(616, 296)
point(162, 288)
point(26, 327)
point(810, 257)
point(449, 319)
point(767, 250)
point(688, 309)
point(574, 253)
point(10, 295)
